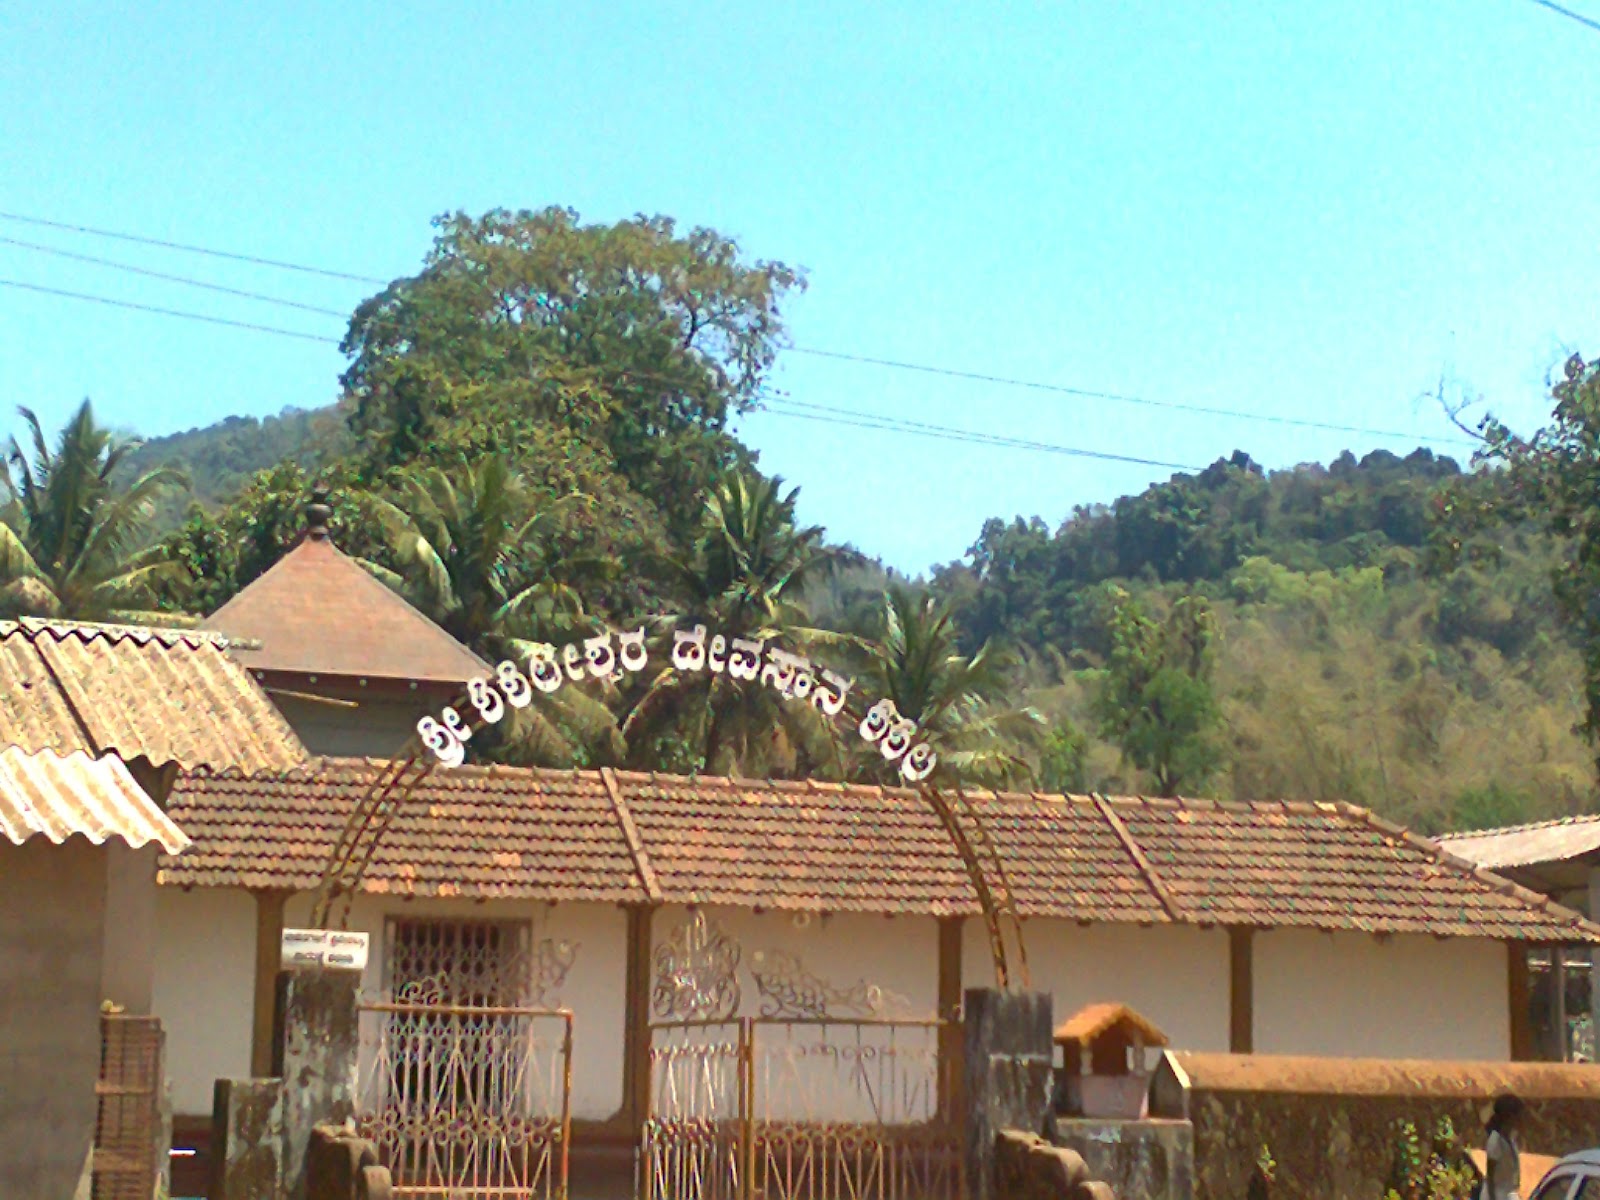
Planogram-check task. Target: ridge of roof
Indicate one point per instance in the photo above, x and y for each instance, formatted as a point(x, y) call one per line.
point(1575, 819)
point(113, 631)
point(318, 611)
point(630, 834)
point(1140, 859)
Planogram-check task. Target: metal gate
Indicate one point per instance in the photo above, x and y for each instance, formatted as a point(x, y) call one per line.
point(466, 1101)
point(800, 1109)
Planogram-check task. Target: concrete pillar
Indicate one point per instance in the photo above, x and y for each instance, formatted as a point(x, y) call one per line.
point(247, 1139)
point(315, 1056)
point(1008, 1060)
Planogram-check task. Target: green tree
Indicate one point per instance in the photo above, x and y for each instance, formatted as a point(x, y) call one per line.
point(745, 580)
point(1064, 759)
point(226, 551)
point(635, 340)
point(1155, 699)
point(1551, 479)
point(470, 551)
point(960, 702)
point(68, 533)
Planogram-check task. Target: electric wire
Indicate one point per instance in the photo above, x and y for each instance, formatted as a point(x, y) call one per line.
point(835, 416)
point(814, 352)
point(183, 279)
point(1569, 14)
point(167, 312)
point(188, 249)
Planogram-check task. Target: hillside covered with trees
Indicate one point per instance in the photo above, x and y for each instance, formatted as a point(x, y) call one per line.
point(531, 442)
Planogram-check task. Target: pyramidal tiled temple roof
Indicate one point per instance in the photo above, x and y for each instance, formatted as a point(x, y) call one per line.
point(318, 612)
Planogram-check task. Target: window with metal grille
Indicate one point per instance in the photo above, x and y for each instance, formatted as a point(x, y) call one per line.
point(457, 962)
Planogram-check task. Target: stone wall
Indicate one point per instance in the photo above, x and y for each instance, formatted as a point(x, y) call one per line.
point(1153, 1159)
point(1026, 1167)
point(1331, 1124)
point(51, 912)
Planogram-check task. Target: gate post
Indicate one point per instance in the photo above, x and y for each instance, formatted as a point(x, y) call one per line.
point(1009, 1058)
point(314, 1053)
point(747, 1108)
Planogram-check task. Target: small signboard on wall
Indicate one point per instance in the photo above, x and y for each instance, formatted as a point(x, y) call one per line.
point(333, 949)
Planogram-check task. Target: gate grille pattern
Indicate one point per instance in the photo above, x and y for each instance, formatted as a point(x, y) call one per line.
point(465, 1100)
point(816, 1109)
point(127, 1092)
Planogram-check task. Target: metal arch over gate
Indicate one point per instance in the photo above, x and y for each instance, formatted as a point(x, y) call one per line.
point(468, 1100)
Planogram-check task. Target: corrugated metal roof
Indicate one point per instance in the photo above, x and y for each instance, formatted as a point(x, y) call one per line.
point(58, 796)
point(161, 694)
point(1527, 845)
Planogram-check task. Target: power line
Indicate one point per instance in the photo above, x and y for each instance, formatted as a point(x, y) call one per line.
point(187, 249)
point(801, 410)
point(824, 413)
point(860, 420)
point(893, 364)
point(183, 279)
point(167, 312)
point(1569, 14)
point(1085, 393)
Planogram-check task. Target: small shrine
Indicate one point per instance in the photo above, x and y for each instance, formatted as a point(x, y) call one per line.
point(1103, 1071)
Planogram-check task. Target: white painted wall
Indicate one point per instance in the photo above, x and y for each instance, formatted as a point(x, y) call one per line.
point(206, 969)
point(1344, 994)
point(1177, 976)
point(594, 988)
point(1351, 995)
point(838, 1071)
point(898, 954)
point(204, 989)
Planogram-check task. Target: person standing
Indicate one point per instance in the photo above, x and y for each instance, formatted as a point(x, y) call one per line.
point(1503, 1177)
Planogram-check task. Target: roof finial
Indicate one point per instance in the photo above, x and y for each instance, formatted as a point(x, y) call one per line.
point(318, 514)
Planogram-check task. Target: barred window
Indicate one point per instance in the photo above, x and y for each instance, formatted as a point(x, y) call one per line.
point(457, 962)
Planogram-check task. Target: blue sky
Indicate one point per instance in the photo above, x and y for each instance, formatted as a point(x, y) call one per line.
point(1295, 210)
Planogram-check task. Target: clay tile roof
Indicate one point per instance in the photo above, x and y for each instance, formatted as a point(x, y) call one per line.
point(1088, 1023)
point(493, 833)
point(760, 844)
point(843, 848)
point(169, 696)
point(57, 796)
point(1326, 866)
point(319, 612)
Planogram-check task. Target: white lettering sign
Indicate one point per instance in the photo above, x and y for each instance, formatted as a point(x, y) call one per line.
point(792, 676)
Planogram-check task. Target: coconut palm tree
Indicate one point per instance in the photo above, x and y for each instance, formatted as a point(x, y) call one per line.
point(744, 580)
point(958, 701)
point(67, 530)
point(477, 554)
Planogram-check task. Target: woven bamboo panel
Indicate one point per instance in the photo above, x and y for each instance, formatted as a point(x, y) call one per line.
point(128, 1091)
